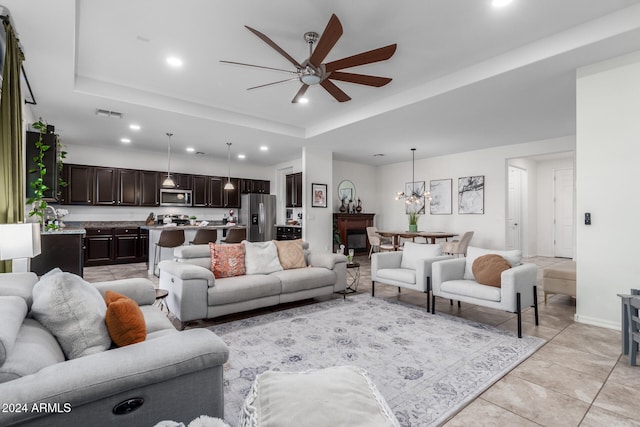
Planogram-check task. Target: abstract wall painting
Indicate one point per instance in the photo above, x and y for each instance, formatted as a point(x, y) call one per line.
point(441, 196)
point(471, 195)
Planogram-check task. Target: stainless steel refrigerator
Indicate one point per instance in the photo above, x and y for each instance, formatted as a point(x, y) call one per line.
point(258, 212)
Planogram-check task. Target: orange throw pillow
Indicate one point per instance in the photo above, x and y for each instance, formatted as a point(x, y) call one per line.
point(227, 260)
point(488, 269)
point(124, 319)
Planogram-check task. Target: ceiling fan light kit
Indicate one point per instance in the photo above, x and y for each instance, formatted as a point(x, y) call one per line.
point(313, 71)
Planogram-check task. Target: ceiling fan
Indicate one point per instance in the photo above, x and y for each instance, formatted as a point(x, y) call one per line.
point(313, 72)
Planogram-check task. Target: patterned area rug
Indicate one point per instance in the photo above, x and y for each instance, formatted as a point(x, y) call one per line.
point(427, 367)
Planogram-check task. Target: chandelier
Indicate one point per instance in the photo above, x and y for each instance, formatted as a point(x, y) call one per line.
point(414, 195)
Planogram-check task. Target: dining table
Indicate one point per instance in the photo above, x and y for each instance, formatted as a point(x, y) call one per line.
point(430, 236)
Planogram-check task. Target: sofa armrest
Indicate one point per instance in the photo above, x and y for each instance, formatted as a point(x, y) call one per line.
point(187, 271)
point(382, 260)
point(443, 271)
point(424, 269)
point(86, 380)
point(140, 290)
point(521, 278)
point(327, 260)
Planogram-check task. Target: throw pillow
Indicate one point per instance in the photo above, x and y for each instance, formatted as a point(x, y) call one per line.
point(124, 319)
point(261, 257)
point(487, 269)
point(412, 252)
point(290, 253)
point(73, 311)
point(227, 260)
point(513, 256)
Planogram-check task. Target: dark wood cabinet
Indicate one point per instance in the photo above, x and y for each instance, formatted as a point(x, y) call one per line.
point(105, 181)
point(128, 187)
point(143, 245)
point(182, 180)
point(288, 233)
point(61, 250)
point(79, 189)
point(98, 246)
point(149, 188)
point(200, 190)
point(125, 245)
point(231, 198)
point(352, 229)
point(255, 186)
point(215, 192)
point(50, 161)
point(293, 197)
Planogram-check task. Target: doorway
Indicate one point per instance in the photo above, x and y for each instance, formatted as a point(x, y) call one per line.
point(517, 179)
point(563, 213)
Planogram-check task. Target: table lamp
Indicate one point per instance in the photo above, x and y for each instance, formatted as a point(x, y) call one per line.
point(19, 243)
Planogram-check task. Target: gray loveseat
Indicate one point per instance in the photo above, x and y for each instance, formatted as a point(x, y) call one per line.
point(170, 375)
point(194, 292)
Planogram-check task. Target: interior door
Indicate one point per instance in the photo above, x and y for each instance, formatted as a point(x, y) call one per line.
point(514, 211)
point(564, 213)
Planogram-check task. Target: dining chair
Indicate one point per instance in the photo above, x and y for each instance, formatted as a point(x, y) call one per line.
point(458, 247)
point(377, 241)
point(204, 236)
point(634, 329)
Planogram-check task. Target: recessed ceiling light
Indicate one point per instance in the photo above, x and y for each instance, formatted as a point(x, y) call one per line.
point(241, 156)
point(264, 148)
point(303, 100)
point(378, 155)
point(174, 61)
point(500, 3)
point(125, 140)
point(191, 149)
point(134, 126)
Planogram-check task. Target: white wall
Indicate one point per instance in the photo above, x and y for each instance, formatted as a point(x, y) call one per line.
point(363, 178)
point(318, 222)
point(529, 214)
point(492, 163)
point(607, 156)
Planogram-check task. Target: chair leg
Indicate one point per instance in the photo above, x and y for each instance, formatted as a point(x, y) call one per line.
point(428, 293)
point(459, 305)
point(450, 302)
point(519, 312)
point(156, 255)
point(433, 303)
point(535, 302)
point(373, 288)
point(399, 290)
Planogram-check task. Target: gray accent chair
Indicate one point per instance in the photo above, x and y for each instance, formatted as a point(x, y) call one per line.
point(453, 279)
point(409, 268)
point(170, 375)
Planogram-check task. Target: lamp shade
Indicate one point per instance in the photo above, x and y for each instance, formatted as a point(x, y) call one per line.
point(19, 241)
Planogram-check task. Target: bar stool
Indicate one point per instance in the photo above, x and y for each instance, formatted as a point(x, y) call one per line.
point(235, 235)
point(168, 239)
point(204, 236)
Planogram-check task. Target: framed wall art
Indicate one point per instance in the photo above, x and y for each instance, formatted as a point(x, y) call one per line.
point(319, 195)
point(441, 196)
point(471, 195)
point(415, 188)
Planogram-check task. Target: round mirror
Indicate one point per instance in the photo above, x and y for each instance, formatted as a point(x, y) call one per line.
point(347, 191)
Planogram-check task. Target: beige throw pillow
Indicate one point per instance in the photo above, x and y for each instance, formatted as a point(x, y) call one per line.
point(290, 253)
point(487, 269)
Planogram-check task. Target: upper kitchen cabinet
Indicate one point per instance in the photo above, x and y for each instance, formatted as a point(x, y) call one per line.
point(183, 180)
point(294, 190)
point(200, 190)
point(105, 182)
point(231, 198)
point(128, 187)
point(49, 160)
point(149, 188)
point(255, 186)
point(79, 189)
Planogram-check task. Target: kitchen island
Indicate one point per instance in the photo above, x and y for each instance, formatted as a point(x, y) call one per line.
point(62, 248)
point(189, 234)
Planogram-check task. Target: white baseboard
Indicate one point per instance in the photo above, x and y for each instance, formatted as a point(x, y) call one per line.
point(594, 321)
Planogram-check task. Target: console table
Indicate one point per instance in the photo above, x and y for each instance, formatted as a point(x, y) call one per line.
point(352, 229)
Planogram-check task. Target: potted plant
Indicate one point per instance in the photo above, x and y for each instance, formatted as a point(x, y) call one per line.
point(192, 220)
point(413, 220)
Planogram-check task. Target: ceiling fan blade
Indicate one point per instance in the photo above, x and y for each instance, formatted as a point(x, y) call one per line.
point(375, 55)
point(328, 39)
point(300, 94)
point(272, 83)
point(259, 66)
point(361, 79)
point(271, 43)
point(335, 91)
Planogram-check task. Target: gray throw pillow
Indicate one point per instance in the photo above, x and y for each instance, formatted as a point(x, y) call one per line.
point(73, 311)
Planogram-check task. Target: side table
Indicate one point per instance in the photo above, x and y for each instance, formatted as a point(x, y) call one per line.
point(353, 277)
point(161, 294)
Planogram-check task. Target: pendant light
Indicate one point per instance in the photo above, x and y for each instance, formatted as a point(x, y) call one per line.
point(228, 185)
point(168, 182)
point(417, 193)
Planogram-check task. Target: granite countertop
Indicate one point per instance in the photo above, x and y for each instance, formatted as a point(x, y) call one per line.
point(288, 225)
point(65, 230)
point(104, 224)
point(188, 227)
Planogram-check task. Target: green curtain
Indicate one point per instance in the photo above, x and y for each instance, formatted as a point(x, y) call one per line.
point(11, 158)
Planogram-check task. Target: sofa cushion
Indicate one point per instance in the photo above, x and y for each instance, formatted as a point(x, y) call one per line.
point(124, 319)
point(472, 289)
point(261, 257)
point(243, 288)
point(301, 279)
point(13, 310)
point(513, 256)
point(487, 269)
point(74, 311)
point(156, 320)
point(18, 284)
point(227, 260)
point(413, 252)
point(35, 348)
point(290, 253)
point(403, 275)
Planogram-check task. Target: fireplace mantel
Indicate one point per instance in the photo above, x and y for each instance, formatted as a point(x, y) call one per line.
point(356, 223)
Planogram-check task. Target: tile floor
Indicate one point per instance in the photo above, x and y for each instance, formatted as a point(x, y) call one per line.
point(578, 378)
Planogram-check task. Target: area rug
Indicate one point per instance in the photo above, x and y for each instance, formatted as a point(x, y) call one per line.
point(426, 366)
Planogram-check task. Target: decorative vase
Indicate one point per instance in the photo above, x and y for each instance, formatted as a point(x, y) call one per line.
point(413, 228)
point(359, 207)
point(343, 208)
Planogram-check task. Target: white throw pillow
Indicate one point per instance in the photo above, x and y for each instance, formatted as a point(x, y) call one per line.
point(261, 257)
point(414, 251)
point(73, 311)
point(513, 257)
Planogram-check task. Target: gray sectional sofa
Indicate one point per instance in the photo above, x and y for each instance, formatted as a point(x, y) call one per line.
point(169, 375)
point(194, 292)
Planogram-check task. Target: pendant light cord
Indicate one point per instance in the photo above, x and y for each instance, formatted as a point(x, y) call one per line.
point(169, 154)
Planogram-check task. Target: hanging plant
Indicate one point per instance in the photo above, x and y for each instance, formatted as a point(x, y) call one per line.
point(38, 204)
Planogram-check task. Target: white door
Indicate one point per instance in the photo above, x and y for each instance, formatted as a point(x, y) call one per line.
point(563, 214)
point(514, 214)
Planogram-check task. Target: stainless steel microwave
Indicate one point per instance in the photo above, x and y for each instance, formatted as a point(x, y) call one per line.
point(174, 197)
